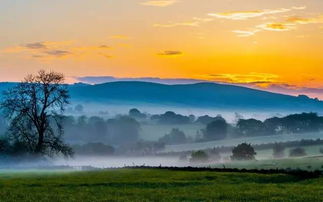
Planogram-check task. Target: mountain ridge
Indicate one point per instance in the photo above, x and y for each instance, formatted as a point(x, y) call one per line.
point(197, 95)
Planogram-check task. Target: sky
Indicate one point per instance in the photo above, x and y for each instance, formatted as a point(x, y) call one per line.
point(274, 45)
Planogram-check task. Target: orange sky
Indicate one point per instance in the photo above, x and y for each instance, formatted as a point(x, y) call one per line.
point(256, 42)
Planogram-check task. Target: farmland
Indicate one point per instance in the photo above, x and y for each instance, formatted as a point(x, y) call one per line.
point(156, 185)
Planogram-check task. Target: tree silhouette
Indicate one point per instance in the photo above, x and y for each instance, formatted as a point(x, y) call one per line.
point(34, 108)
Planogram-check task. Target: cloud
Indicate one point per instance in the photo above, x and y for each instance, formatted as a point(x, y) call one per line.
point(295, 90)
point(160, 3)
point(304, 20)
point(288, 24)
point(259, 79)
point(277, 26)
point(195, 22)
point(57, 49)
point(104, 46)
point(58, 53)
point(170, 53)
point(245, 33)
point(106, 56)
point(243, 15)
point(36, 45)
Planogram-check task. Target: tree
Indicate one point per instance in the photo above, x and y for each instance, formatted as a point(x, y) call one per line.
point(278, 150)
point(250, 127)
point(216, 130)
point(243, 151)
point(135, 113)
point(176, 136)
point(34, 108)
point(199, 157)
point(170, 117)
point(95, 149)
point(123, 130)
point(296, 152)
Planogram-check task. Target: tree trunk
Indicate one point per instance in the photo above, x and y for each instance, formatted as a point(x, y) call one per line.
point(40, 143)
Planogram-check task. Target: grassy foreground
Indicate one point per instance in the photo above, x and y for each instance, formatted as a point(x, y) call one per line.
point(156, 185)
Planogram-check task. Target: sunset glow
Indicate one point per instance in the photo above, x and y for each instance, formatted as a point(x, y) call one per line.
point(257, 43)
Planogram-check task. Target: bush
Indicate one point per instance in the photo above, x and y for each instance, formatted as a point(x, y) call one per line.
point(297, 152)
point(199, 157)
point(243, 151)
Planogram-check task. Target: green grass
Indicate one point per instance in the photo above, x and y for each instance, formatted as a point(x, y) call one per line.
point(156, 185)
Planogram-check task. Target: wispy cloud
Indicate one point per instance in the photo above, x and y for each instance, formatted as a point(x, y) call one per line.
point(160, 3)
point(58, 53)
point(36, 45)
point(245, 33)
point(56, 49)
point(277, 26)
point(195, 22)
point(170, 53)
point(304, 20)
point(243, 15)
point(255, 78)
point(290, 23)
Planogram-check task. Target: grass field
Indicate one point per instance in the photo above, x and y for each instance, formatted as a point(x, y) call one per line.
point(156, 185)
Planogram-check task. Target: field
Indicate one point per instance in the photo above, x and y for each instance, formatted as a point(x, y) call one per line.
point(236, 141)
point(156, 185)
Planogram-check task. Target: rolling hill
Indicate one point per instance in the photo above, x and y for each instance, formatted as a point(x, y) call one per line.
point(199, 95)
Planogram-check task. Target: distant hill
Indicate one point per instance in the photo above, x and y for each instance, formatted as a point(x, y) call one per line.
point(199, 95)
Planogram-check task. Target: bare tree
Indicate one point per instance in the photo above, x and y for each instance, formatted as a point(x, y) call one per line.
point(35, 108)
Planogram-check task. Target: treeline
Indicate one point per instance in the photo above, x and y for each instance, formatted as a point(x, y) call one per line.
point(274, 146)
point(217, 128)
point(121, 130)
point(126, 129)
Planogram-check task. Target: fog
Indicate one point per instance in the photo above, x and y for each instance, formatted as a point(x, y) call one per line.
point(117, 162)
point(106, 137)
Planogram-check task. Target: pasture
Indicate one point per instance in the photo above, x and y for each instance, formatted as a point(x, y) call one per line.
point(156, 185)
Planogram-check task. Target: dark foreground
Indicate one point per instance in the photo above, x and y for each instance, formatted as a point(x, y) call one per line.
point(157, 185)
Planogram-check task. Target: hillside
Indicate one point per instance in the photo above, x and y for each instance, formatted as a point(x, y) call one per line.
point(200, 95)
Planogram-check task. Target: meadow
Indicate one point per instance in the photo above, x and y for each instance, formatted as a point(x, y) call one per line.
point(156, 185)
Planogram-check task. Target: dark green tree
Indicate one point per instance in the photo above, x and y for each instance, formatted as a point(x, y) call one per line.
point(199, 157)
point(216, 130)
point(297, 152)
point(243, 151)
point(176, 136)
